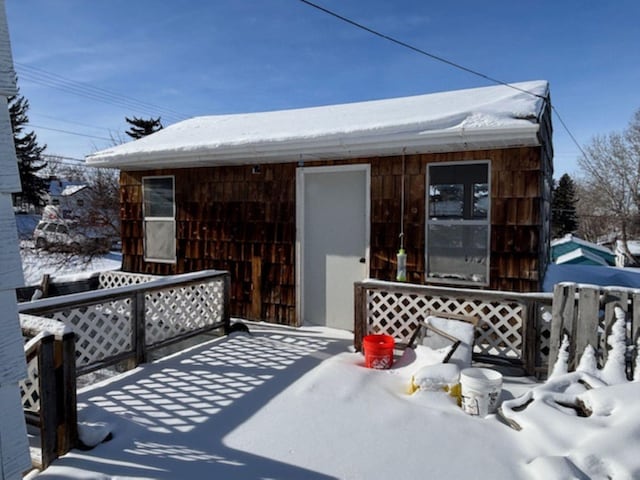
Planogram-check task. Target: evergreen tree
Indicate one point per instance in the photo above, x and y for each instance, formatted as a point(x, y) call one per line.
point(564, 218)
point(29, 154)
point(141, 127)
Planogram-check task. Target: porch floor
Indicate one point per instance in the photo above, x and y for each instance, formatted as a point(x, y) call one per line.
point(263, 406)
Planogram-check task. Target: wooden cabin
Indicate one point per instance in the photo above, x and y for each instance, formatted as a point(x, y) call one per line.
point(299, 204)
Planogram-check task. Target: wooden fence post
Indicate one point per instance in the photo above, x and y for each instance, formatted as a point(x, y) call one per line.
point(360, 314)
point(586, 331)
point(531, 319)
point(562, 321)
point(612, 298)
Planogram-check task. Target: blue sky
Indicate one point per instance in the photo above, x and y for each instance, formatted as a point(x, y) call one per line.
point(185, 58)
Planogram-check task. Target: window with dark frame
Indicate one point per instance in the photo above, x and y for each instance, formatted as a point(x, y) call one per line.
point(158, 196)
point(457, 227)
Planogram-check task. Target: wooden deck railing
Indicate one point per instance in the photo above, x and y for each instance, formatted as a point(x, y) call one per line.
point(104, 327)
point(512, 328)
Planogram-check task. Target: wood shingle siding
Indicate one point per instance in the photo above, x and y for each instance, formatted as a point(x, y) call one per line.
point(227, 218)
point(243, 221)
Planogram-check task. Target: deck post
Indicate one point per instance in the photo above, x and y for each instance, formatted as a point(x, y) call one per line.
point(139, 327)
point(69, 406)
point(48, 404)
point(226, 308)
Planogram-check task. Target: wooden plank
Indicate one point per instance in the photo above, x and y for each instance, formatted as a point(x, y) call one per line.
point(562, 319)
point(612, 298)
point(68, 410)
point(587, 328)
point(48, 401)
point(256, 288)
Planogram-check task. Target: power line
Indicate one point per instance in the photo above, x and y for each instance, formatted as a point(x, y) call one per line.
point(73, 122)
point(58, 158)
point(418, 50)
point(68, 132)
point(444, 60)
point(59, 82)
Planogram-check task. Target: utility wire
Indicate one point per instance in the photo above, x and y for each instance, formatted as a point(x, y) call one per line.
point(68, 132)
point(418, 50)
point(446, 61)
point(95, 127)
point(59, 82)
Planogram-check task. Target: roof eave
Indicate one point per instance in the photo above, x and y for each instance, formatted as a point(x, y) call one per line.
point(329, 148)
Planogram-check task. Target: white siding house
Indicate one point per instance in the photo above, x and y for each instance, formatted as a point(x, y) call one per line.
point(14, 447)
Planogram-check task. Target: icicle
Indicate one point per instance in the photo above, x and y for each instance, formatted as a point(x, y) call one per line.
point(613, 371)
point(562, 363)
point(588, 363)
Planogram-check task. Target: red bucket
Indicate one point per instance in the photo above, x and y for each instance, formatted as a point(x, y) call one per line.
point(378, 351)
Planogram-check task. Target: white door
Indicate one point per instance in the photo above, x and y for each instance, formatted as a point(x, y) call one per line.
point(333, 239)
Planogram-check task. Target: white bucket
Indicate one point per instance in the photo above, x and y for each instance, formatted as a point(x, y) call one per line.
point(480, 390)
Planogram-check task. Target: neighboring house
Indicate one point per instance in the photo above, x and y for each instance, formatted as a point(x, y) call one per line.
point(575, 251)
point(75, 201)
point(14, 445)
point(60, 189)
point(299, 204)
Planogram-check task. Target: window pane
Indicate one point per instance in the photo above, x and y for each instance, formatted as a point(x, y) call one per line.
point(446, 200)
point(159, 240)
point(480, 200)
point(158, 197)
point(458, 252)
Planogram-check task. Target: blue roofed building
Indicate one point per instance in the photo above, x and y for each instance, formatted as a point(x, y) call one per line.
point(571, 250)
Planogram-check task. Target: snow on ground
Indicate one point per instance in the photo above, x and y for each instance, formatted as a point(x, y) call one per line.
point(61, 266)
point(286, 403)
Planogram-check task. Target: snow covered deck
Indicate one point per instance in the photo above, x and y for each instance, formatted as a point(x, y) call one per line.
point(298, 403)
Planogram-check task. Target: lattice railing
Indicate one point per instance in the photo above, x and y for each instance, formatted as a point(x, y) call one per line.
point(75, 334)
point(29, 387)
point(504, 329)
point(116, 278)
point(138, 313)
point(173, 312)
point(103, 330)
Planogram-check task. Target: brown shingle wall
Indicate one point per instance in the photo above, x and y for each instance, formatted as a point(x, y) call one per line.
point(230, 218)
point(227, 218)
point(516, 215)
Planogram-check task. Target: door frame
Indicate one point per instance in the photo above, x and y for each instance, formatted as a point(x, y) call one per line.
point(301, 175)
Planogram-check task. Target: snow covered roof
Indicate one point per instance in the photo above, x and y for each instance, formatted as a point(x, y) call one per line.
point(562, 247)
point(581, 256)
point(479, 118)
point(71, 190)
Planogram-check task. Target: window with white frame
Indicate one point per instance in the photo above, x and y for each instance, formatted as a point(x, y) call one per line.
point(458, 223)
point(158, 196)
